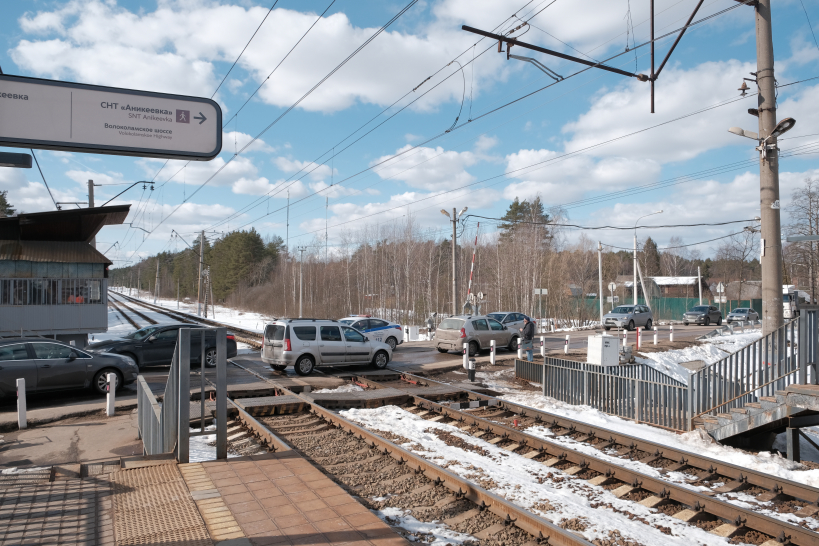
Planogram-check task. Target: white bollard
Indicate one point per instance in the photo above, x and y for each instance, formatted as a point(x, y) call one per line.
point(552, 322)
point(520, 351)
point(625, 337)
point(671, 335)
point(639, 336)
point(21, 404)
point(742, 325)
point(655, 335)
point(110, 397)
point(543, 346)
point(492, 352)
point(566, 345)
point(466, 355)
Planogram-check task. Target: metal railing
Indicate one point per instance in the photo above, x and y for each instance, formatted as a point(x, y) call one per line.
point(633, 391)
point(165, 428)
point(771, 363)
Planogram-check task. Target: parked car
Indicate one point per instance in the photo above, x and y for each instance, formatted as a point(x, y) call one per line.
point(154, 345)
point(742, 314)
point(390, 333)
point(703, 314)
point(513, 321)
point(49, 365)
point(477, 331)
point(309, 343)
point(629, 317)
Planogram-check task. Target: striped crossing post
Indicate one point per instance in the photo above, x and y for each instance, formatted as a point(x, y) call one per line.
point(639, 336)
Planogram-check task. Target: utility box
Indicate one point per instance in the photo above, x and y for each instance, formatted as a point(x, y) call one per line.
point(413, 334)
point(603, 350)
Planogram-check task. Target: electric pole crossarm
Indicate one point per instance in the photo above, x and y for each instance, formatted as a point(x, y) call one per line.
point(513, 41)
point(677, 41)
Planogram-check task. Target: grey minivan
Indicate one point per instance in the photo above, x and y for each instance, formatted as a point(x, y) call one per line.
point(477, 331)
point(308, 343)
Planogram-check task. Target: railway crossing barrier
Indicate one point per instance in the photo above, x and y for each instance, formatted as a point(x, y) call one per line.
point(165, 428)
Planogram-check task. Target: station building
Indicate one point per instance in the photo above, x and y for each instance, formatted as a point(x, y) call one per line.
point(53, 282)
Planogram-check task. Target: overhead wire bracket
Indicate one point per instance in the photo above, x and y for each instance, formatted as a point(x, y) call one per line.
point(549, 72)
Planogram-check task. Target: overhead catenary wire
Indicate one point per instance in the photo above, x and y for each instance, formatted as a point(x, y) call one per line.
point(626, 228)
point(301, 99)
point(44, 179)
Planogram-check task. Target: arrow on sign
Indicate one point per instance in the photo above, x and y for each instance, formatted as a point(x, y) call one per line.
point(202, 117)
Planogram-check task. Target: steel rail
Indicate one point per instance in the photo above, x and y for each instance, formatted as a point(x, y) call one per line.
point(662, 489)
point(185, 317)
point(791, 488)
point(121, 312)
point(543, 530)
point(269, 440)
point(134, 311)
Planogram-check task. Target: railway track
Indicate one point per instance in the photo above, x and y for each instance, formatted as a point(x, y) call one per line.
point(254, 339)
point(560, 464)
point(122, 313)
point(122, 303)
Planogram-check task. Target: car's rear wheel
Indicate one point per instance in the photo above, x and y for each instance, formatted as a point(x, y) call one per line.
point(392, 342)
point(305, 365)
point(380, 360)
point(607, 328)
point(685, 324)
point(630, 325)
point(278, 367)
point(513, 345)
point(473, 348)
point(649, 324)
point(442, 350)
point(100, 381)
point(210, 358)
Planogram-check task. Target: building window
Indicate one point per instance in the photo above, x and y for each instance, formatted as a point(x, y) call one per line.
point(51, 292)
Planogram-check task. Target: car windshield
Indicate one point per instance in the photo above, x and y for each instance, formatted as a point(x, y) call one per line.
point(348, 322)
point(496, 316)
point(738, 311)
point(142, 334)
point(623, 309)
point(700, 309)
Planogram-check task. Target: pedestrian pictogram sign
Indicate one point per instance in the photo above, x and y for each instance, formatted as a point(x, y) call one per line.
point(75, 117)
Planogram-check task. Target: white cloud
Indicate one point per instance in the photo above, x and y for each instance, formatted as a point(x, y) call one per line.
point(333, 192)
point(32, 196)
point(262, 186)
point(82, 177)
point(304, 168)
point(428, 168)
point(233, 141)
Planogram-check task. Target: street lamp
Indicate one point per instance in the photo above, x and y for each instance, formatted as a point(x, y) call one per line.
point(635, 250)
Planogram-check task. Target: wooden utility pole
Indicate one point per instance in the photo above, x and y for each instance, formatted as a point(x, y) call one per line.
point(772, 312)
point(93, 241)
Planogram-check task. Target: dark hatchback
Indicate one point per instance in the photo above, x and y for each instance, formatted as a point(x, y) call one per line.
point(48, 365)
point(154, 345)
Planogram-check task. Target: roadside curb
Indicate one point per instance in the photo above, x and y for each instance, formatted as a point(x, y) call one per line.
point(11, 426)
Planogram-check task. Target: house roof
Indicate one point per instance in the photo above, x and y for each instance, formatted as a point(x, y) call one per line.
point(675, 281)
point(78, 225)
point(51, 251)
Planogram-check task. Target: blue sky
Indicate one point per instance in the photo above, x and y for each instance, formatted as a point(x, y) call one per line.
point(187, 46)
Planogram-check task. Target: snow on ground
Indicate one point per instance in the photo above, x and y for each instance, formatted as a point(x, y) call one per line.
point(559, 497)
point(15, 470)
point(432, 533)
point(254, 322)
point(348, 387)
point(200, 451)
point(709, 351)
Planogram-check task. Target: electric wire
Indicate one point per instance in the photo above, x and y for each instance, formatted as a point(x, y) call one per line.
point(44, 180)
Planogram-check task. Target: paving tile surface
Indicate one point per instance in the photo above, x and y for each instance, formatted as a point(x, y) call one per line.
point(282, 499)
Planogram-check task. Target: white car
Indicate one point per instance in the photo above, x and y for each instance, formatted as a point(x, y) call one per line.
point(376, 329)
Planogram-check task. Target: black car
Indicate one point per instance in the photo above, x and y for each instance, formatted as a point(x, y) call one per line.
point(49, 365)
point(703, 314)
point(154, 345)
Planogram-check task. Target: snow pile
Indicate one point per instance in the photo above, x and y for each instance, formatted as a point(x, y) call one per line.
point(709, 351)
point(347, 387)
point(559, 497)
point(14, 470)
point(432, 533)
point(200, 451)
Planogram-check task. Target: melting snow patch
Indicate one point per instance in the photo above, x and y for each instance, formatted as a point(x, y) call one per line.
point(433, 533)
point(200, 451)
point(348, 387)
point(15, 470)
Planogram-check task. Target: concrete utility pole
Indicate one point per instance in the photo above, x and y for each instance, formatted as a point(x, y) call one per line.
point(454, 265)
point(699, 283)
point(156, 284)
point(635, 253)
point(600, 277)
point(771, 255)
point(93, 241)
point(301, 278)
point(201, 266)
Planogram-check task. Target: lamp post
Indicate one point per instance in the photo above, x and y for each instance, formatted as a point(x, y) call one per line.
point(454, 219)
point(635, 250)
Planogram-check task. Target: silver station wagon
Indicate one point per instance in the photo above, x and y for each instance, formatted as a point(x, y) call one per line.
point(309, 343)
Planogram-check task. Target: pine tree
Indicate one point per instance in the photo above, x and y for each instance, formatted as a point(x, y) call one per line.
point(5, 207)
point(524, 215)
point(651, 258)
